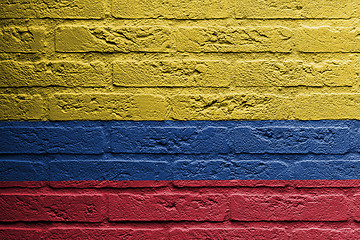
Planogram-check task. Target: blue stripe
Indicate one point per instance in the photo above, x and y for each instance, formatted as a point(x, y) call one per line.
point(184, 150)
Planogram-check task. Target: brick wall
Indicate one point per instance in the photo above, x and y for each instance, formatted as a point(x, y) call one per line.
point(188, 60)
point(152, 60)
point(181, 210)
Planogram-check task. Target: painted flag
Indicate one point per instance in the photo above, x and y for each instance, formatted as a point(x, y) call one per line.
point(184, 119)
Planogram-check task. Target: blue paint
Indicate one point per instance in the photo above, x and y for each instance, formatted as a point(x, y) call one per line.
point(192, 140)
point(168, 150)
point(22, 171)
point(327, 140)
point(108, 170)
point(43, 140)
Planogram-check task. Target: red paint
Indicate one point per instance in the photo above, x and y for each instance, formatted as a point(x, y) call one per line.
point(21, 233)
point(167, 207)
point(315, 233)
point(106, 233)
point(228, 233)
point(269, 207)
point(317, 209)
point(45, 207)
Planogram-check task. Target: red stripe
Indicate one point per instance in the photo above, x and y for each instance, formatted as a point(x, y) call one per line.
point(311, 209)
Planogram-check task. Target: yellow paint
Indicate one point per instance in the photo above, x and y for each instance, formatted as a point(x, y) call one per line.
point(295, 9)
point(74, 9)
point(179, 60)
point(171, 73)
point(52, 73)
point(178, 9)
point(21, 107)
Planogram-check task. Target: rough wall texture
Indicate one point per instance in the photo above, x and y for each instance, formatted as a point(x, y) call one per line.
point(179, 60)
point(101, 62)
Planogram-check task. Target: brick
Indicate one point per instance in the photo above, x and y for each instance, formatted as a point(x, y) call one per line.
point(328, 39)
point(168, 140)
point(102, 106)
point(172, 9)
point(22, 171)
point(293, 73)
point(167, 207)
point(171, 73)
point(200, 170)
point(21, 233)
point(274, 139)
point(298, 9)
point(357, 209)
point(55, 73)
point(330, 170)
point(46, 207)
point(255, 169)
point(17, 39)
point(108, 39)
point(228, 233)
point(108, 170)
point(51, 140)
point(321, 233)
point(77, 9)
point(21, 107)
point(106, 233)
point(226, 170)
point(234, 39)
point(334, 106)
point(229, 107)
point(267, 207)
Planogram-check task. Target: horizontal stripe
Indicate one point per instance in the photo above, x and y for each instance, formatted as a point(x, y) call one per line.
point(245, 201)
point(194, 150)
point(308, 209)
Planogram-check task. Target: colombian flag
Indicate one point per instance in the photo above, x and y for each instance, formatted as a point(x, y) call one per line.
point(200, 119)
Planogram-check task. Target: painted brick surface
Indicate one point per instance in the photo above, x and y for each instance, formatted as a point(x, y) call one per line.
point(288, 208)
point(106, 39)
point(52, 73)
point(169, 140)
point(106, 233)
point(164, 218)
point(109, 170)
point(179, 119)
point(18, 233)
point(328, 39)
point(170, 150)
point(104, 106)
point(21, 107)
point(78, 9)
point(19, 39)
point(228, 233)
point(187, 73)
point(22, 170)
point(293, 73)
point(193, 60)
point(324, 234)
point(56, 208)
point(290, 140)
point(52, 140)
point(198, 9)
point(167, 207)
point(299, 9)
